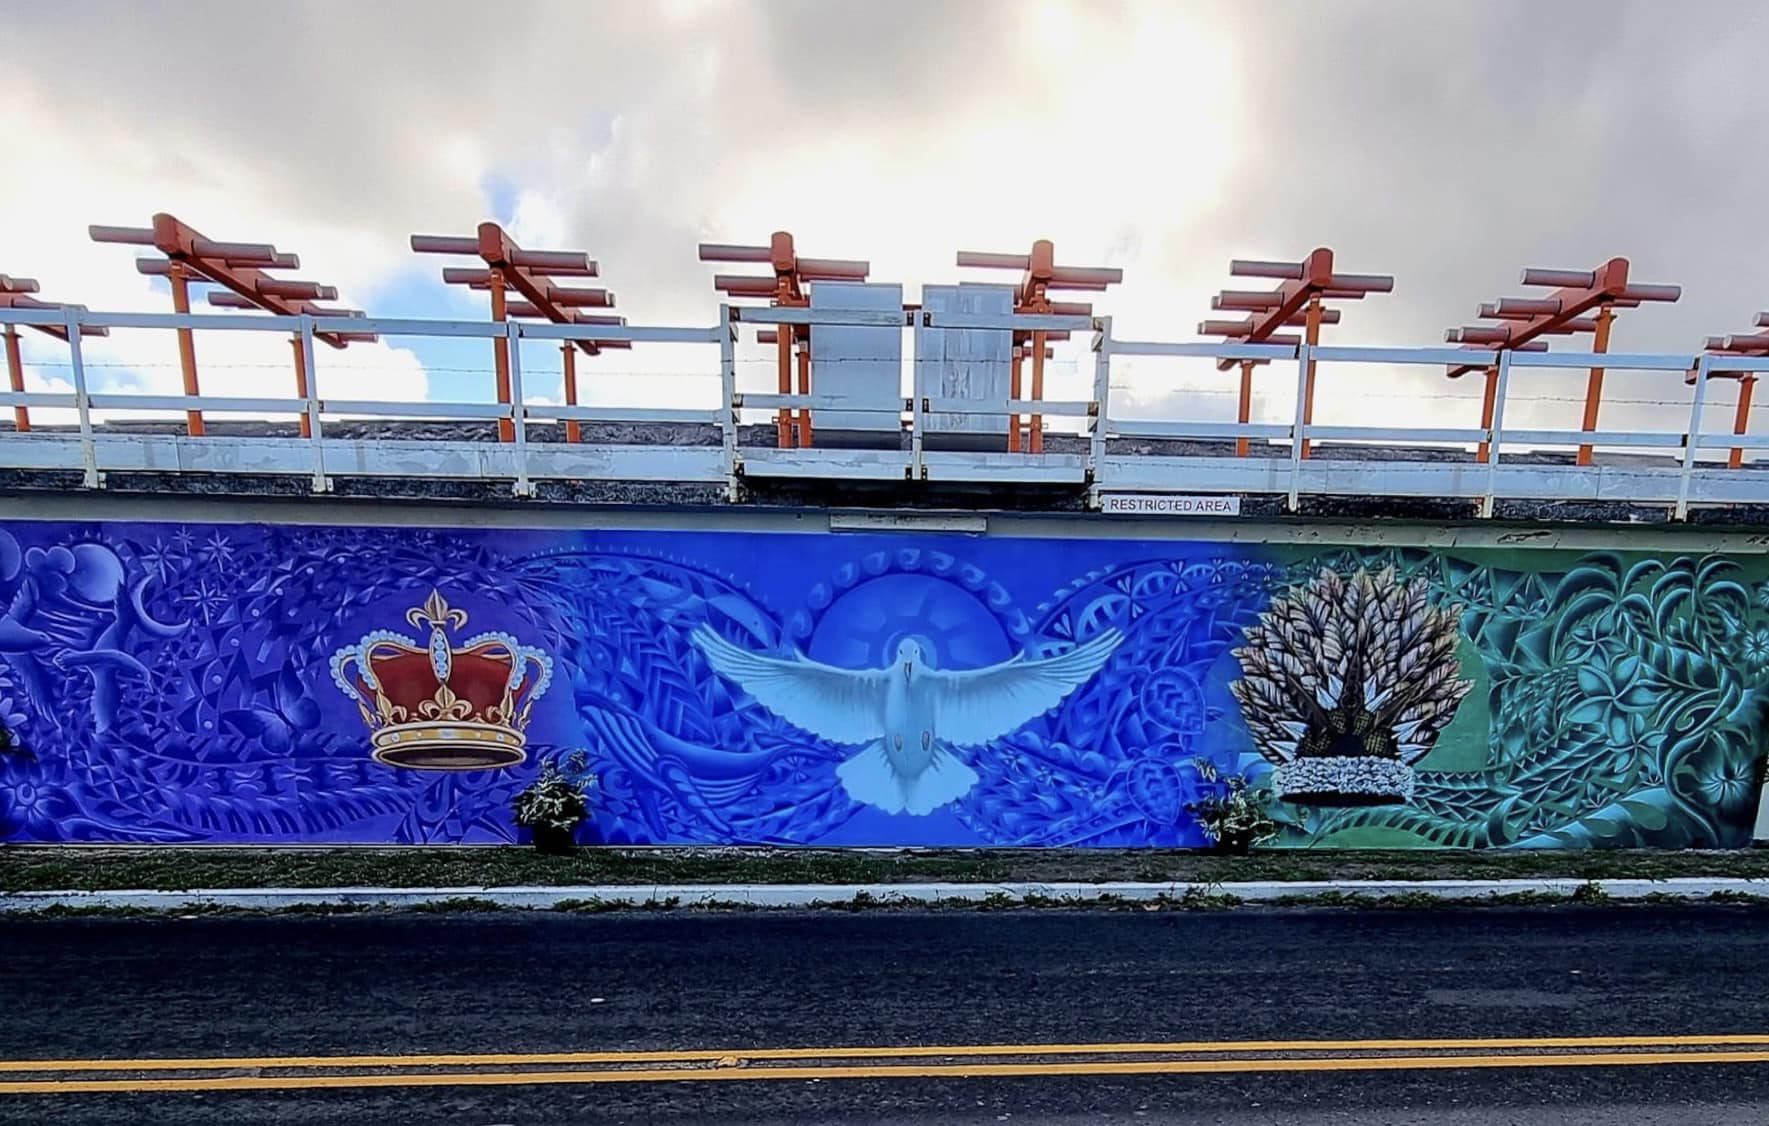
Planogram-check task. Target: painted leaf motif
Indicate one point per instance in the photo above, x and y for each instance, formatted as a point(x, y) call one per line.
point(261, 724)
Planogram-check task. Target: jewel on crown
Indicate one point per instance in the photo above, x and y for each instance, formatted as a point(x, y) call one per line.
point(437, 704)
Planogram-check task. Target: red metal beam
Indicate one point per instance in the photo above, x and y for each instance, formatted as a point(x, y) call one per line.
point(1577, 292)
point(529, 272)
point(1522, 321)
point(236, 266)
point(1296, 302)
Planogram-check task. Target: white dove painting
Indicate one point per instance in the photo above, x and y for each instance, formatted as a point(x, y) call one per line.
point(909, 715)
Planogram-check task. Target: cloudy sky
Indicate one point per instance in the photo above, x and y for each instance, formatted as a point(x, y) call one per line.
point(1446, 144)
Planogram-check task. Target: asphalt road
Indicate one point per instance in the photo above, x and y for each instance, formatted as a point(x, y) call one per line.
point(92, 990)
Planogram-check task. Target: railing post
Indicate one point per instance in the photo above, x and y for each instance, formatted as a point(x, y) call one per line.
point(518, 421)
point(1499, 384)
point(917, 417)
point(82, 399)
point(1299, 428)
point(728, 400)
point(310, 420)
point(1692, 439)
point(1102, 397)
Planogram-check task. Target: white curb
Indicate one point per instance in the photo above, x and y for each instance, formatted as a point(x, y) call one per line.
point(811, 895)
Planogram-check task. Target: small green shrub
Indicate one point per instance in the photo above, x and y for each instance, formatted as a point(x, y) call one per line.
point(556, 803)
point(1234, 817)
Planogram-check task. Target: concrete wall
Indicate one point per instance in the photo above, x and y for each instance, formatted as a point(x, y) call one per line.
point(186, 671)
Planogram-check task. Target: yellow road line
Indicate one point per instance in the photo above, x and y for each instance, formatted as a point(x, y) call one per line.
point(883, 1051)
point(889, 1071)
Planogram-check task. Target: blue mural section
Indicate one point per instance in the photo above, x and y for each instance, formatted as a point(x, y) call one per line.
point(176, 683)
point(252, 683)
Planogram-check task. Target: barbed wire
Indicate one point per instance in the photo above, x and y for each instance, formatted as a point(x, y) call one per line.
point(1149, 391)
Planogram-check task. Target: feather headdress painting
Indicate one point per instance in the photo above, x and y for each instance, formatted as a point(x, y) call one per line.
point(1347, 682)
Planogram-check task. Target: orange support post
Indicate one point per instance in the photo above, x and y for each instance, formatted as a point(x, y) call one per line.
point(501, 354)
point(568, 357)
point(300, 351)
point(1488, 402)
point(1241, 444)
point(1036, 436)
point(187, 347)
point(1594, 384)
point(15, 374)
point(1741, 419)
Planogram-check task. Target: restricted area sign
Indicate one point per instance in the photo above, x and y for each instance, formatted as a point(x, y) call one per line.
point(1138, 504)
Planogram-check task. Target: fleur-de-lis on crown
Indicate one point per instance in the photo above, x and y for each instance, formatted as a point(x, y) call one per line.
point(437, 612)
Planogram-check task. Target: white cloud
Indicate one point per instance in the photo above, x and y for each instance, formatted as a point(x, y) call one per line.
point(1449, 148)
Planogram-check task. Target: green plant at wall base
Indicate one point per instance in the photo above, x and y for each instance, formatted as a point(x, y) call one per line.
point(556, 803)
point(1234, 817)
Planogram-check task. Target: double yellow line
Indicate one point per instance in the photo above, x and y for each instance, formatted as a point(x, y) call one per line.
point(1197, 1057)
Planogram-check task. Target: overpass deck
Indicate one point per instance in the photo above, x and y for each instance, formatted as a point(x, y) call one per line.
point(1099, 444)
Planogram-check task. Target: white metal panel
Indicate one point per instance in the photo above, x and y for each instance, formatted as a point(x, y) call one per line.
point(627, 463)
point(1729, 486)
point(1065, 408)
point(1615, 361)
point(1393, 434)
point(1651, 439)
point(541, 412)
point(858, 465)
point(1204, 350)
point(1017, 322)
point(970, 364)
point(861, 364)
point(1152, 473)
point(1005, 467)
point(104, 401)
point(1447, 356)
point(830, 315)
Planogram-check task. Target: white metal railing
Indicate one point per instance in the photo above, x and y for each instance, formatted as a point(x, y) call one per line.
point(1277, 465)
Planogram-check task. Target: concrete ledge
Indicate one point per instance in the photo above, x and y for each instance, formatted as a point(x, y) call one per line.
point(813, 895)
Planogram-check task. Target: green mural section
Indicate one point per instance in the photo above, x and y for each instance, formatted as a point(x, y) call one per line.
point(1491, 699)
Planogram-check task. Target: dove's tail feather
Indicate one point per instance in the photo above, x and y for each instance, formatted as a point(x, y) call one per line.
point(869, 779)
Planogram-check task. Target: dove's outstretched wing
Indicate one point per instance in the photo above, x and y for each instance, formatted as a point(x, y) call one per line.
point(974, 706)
point(841, 705)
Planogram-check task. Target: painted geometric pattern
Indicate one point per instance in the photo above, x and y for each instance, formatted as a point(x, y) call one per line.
point(175, 683)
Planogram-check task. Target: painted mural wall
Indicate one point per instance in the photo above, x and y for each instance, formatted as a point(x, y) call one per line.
point(251, 683)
